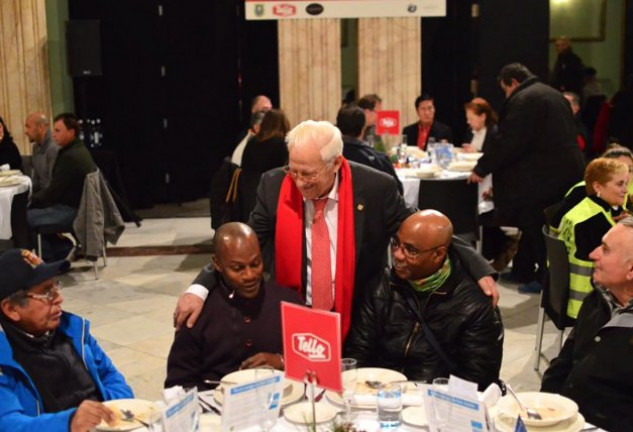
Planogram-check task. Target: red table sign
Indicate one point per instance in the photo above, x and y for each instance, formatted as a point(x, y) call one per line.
point(387, 122)
point(312, 342)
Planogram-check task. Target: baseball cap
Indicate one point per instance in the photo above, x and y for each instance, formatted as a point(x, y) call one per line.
point(21, 269)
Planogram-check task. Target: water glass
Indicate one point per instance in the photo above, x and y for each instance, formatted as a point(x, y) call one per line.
point(266, 397)
point(389, 405)
point(441, 406)
point(349, 377)
point(155, 422)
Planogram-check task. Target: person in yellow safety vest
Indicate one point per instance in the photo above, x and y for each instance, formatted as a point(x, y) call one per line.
point(582, 228)
point(578, 191)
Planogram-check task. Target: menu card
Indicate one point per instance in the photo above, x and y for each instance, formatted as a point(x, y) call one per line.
point(181, 413)
point(457, 408)
point(251, 403)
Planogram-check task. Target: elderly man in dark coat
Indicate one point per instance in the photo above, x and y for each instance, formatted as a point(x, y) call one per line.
point(534, 162)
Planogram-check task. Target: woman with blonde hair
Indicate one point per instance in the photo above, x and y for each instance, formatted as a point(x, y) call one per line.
point(583, 226)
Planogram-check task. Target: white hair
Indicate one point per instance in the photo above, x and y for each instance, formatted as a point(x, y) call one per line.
point(323, 134)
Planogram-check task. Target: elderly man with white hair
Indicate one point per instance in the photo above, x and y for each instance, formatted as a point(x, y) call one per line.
point(324, 225)
point(595, 366)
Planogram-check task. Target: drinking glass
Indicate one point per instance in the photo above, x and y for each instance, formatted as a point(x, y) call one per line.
point(265, 396)
point(350, 375)
point(441, 406)
point(389, 405)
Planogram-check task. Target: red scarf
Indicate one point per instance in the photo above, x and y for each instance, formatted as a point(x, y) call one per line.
point(289, 232)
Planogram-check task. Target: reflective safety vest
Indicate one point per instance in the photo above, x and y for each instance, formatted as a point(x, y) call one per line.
point(579, 270)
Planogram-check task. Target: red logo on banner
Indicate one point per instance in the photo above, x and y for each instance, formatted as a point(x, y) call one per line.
point(387, 122)
point(312, 343)
point(284, 10)
point(311, 347)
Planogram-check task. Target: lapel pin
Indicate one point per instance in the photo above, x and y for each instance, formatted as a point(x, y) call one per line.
point(360, 207)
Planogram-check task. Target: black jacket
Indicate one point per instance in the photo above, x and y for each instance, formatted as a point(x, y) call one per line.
point(386, 329)
point(439, 131)
point(67, 181)
point(536, 158)
point(357, 151)
point(9, 153)
point(595, 366)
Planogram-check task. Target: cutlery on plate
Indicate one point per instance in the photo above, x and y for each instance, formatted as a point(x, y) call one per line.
point(128, 416)
point(532, 414)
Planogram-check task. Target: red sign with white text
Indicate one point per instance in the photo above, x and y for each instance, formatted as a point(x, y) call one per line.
point(312, 342)
point(387, 122)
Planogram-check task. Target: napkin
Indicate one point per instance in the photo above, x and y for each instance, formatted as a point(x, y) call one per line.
point(5, 167)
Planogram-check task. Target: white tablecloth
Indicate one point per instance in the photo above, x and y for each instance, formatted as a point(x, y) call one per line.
point(6, 199)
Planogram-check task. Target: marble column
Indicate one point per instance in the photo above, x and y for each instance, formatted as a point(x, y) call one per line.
point(390, 63)
point(24, 71)
point(310, 69)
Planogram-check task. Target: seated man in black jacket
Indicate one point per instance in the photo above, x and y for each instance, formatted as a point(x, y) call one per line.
point(351, 121)
point(427, 317)
point(594, 367)
point(240, 325)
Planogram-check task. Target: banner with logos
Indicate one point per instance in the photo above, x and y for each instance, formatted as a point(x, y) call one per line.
point(302, 9)
point(312, 343)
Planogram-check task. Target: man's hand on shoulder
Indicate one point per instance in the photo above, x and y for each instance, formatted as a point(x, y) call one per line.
point(89, 414)
point(188, 309)
point(489, 287)
point(263, 359)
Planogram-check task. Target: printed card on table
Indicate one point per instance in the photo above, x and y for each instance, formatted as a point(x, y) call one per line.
point(387, 122)
point(312, 342)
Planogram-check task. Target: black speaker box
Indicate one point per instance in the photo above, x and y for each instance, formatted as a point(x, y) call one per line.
point(84, 48)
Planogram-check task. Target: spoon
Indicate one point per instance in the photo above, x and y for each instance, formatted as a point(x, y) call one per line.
point(373, 384)
point(532, 414)
point(128, 416)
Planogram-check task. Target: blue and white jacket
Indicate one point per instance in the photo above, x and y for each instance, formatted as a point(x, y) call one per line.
point(21, 407)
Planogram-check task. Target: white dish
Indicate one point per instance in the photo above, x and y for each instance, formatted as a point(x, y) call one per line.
point(462, 166)
point(470, 156)
point(10, 181)
point(142, 409)
point(575, 424)
point(301, 413)
point(415, 416)
point(362, 389)
point(553, 408)
point(293, 391)
point(10, 173)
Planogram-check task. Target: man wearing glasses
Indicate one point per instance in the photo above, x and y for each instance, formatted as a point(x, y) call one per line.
point(427, 317)
point(324, 225)
point(53, 374)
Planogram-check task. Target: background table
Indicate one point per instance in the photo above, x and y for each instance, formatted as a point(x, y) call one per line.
point(13, 203)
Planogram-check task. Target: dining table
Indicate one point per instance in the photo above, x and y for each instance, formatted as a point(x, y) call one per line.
point(15, 190)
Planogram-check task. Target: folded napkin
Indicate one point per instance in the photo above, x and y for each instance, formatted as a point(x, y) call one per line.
point(5, 167)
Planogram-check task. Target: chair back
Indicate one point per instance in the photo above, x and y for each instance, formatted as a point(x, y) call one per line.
point(556, 288)
point(551, 214)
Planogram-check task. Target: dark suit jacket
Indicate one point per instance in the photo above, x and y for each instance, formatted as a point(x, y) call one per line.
point(358, 151)
point(439, 131)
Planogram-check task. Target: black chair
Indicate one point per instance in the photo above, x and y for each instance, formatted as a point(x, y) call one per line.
point(551, 212)
point(555, 294)
point(456, 199)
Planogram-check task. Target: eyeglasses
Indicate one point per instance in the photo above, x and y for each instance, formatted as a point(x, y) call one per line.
point(408, 250)
point(309, 178)
point(49, 295)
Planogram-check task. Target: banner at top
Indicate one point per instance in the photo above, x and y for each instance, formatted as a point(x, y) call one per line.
point(302, 9)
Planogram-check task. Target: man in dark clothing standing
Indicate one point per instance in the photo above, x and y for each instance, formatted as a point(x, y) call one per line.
point(534, 162)
point(568, 70)
point(351, 121)
point(58, 203)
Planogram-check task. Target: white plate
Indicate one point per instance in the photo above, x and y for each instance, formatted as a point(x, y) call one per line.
point(553, 408)
point(142, 409)
point(10, 173)
point(367, 374)
point(462, 166)
point(301, 413)
point(470, 156)
point(293, 391)
point(415, 416)
point(9, 181)
point(575, 424)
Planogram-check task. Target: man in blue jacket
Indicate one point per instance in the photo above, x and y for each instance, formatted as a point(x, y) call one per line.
point(53, 374)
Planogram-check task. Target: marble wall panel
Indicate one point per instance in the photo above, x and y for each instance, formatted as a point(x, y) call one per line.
point(24, 70)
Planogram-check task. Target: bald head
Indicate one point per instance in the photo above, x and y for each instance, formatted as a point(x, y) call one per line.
point(35, 127)
point(423, 239)
point(231, 233)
